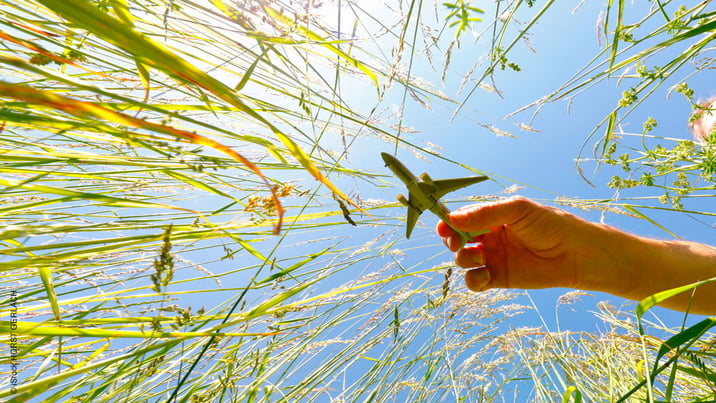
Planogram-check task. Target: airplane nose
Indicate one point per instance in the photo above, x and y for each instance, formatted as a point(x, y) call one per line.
point(386, 158)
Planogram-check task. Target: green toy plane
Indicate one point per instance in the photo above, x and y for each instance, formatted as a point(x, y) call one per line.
point(425, 193)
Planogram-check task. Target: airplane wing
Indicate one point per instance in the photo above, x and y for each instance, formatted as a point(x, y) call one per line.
point(445, 186)
point(413, 214)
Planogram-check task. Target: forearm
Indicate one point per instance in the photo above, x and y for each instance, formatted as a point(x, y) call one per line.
point(634, 267)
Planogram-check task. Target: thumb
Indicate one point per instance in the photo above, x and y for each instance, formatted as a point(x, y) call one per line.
point(478, 217)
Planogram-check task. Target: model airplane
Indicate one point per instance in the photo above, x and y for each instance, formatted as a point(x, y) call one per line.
point(425, 193)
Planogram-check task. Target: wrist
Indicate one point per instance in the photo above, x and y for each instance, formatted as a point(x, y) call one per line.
point(634, 267)
point(607, 261)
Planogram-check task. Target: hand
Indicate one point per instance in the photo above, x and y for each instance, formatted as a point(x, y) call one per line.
point(529, 245)
point(535, 246)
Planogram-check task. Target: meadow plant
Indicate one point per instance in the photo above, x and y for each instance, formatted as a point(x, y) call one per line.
point(175, 219)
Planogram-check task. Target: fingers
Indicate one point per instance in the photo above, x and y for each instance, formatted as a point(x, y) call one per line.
point(473, 256)
point(454, 241)
point(496, 217)
point(478, 279)
point(486, 216)
point(443, 229)
point(478, 217)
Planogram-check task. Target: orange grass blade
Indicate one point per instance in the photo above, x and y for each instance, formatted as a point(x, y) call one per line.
point(52, 56)
point(152, 53)
point(84, 109)
point(39, 329)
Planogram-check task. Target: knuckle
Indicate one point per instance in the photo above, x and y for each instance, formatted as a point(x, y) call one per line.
point(520, 202)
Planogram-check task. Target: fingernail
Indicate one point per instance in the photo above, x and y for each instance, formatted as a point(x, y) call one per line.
point(451, 244)
point(478, 259)
point(479, 279)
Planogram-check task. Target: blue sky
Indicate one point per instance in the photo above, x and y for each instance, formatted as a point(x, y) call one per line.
point(541, 162)
point(544, 162)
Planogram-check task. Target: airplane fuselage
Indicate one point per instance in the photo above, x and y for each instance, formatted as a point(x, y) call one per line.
point(422, 193)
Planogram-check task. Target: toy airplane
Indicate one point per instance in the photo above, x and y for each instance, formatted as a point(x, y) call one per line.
point(425, 193)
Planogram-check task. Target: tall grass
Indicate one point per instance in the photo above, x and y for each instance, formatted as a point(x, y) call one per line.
point(176, 224)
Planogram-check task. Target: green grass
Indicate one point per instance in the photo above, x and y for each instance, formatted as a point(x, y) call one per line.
point(174, 197)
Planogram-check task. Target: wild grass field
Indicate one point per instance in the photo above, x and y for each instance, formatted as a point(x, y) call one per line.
point(192, 208)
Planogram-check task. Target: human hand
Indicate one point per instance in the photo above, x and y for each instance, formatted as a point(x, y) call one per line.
point(535, 246)
point(529, 245)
